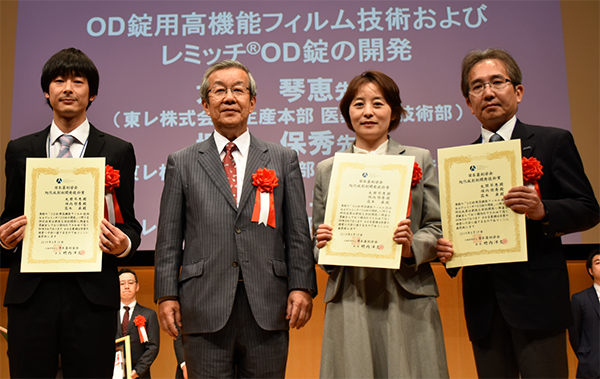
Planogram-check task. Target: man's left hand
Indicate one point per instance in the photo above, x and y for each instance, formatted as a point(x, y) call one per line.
point(112, 239)
point(524, 199)
point(299, 308)
point(134, 374)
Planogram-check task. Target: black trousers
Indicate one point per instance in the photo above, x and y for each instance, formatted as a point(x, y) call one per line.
point(59, 320)
point(506, 352)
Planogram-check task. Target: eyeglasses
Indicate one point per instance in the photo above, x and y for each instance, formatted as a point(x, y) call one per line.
point(497, 84)
point(131, 283)
point(219, 92)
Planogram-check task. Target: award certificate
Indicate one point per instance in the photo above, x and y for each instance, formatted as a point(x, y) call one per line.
point(64, 204)
point(122, 368)
point(368, 195)
point(473, 181)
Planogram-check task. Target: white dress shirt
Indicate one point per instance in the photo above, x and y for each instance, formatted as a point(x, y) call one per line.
point(505, 131)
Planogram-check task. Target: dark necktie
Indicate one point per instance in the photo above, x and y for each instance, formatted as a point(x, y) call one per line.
point(230, 168)
point(125, 323)
point(65, 146)
point(496, 137)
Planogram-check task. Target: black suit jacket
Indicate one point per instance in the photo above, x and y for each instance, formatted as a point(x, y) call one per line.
point(584, 335)
point(101, 288)
point(142, 354)
point(534, 295)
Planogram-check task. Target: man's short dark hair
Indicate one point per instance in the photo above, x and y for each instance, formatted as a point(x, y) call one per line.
point(69, 62)
point(590, 261)
point(128, 271)
point(476, 56)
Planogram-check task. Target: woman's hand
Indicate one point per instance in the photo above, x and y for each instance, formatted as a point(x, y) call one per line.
point(403, 236)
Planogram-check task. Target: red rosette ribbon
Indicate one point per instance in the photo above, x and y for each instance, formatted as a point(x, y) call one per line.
point(417, 174)
point(112, 212)
point(265, 181)
point(532, 172)
point(140, 322)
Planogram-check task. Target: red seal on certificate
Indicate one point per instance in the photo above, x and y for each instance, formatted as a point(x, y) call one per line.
point(417, 174)
point(532, 172)
point(265, 181)
point(140, 322)
point(112, 212)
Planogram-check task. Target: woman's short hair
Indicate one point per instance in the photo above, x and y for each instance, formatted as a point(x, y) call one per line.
point(388, 87)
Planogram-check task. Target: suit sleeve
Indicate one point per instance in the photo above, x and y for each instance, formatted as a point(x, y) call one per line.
point(575, 329)
point(575, 208)
point(169, 243)
point(301, 264)
point(152, 328)
point(125, 197)
point(15, 185)
point(430, 224)
point(318, 215)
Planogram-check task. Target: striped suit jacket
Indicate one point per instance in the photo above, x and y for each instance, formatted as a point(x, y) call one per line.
point(204, 239)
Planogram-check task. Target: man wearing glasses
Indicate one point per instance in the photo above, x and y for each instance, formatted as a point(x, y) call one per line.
point(139, 323)
point(517, 313)
point(234, 267)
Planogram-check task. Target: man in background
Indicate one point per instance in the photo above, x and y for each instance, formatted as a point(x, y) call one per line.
point(517, 313)
point(133, 318)
point(584, 335)
point(71, 315)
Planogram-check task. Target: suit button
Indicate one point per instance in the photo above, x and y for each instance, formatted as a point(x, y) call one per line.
point(238, 230)
point(235, 264)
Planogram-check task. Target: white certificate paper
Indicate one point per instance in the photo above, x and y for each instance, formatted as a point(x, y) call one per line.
point(64, 205)
point(368, 195)
point(473, 182)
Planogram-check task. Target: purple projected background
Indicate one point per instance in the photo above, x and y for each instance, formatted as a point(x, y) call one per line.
point(151, 56)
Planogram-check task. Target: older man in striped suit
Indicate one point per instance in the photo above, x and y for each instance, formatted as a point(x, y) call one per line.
point(234, 266)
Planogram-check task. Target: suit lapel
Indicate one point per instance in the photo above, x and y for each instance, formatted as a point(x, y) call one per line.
point(394, 148)
point(527, 143)
point(211, 162)
point(136, 311)
point(95, 143)
point(39, 144)
point(594, 299)
point(257, 158)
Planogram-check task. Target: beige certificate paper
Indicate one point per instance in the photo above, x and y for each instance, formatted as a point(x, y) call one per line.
point(368, 196)
point(473, 181)
point(64, 204)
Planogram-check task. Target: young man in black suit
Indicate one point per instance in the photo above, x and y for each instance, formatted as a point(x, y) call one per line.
point(517, 313)
point(71, 315)
point(584, 335)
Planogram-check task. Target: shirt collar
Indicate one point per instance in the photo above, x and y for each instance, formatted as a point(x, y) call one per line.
point(131, 306)
point(381, 149)
point(80, 133)
point(597, 288)
point(505, 130)
point(242, 142)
